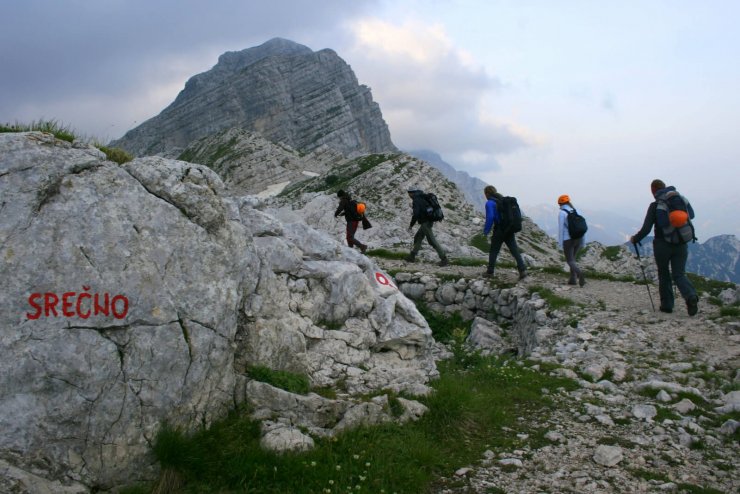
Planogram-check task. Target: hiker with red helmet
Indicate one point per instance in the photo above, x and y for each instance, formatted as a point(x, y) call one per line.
point(569, 240)
point(670, 244)
point(349, 209)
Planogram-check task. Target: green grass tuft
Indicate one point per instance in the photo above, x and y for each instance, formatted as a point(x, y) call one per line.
point(554, 301)
point(116, 154)
point(480, 242)
point(289, 381)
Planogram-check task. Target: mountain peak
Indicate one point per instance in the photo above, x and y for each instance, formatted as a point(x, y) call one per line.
point(236, 60)
point(280, 89)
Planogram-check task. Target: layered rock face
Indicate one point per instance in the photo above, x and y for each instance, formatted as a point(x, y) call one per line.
point(137, 294)
point(280, 89)
point(250, 164)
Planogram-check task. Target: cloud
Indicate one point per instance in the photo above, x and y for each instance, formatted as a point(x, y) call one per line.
point(119, 53)
point(431, 92)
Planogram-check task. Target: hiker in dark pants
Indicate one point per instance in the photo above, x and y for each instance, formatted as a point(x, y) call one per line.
point(670, 258)
point(353, 219)
point(570, 246)
point(418, 206)
point(499, 236)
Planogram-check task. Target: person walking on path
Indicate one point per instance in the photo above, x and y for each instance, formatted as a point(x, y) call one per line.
point(499, 237)
point(419, 214)
point(670, 258)
point(569, 245)
point(346, 208)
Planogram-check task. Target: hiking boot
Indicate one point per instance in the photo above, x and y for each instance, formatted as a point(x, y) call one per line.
point(444, 262)
point(692, 305)
point(410, 258)
point(665, 309)
point(522, 275)
point(363, 248)
point(581, 280)
point(486, 274)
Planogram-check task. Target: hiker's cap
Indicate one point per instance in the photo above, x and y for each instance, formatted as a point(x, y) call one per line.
point(341, 193)
point(564, 199)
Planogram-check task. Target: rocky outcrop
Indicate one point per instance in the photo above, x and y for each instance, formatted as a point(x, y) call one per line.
point(282, 90)
point(250, 164)
point(137, 294)
point(382, 181)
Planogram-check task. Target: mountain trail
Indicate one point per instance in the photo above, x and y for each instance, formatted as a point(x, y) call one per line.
point(654, 408)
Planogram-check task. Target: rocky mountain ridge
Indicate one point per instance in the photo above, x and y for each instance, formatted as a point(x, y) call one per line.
point(140, 294)
point(281, 89)
point(215, 283)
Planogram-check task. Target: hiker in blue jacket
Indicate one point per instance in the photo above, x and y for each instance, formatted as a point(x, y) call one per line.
point(670, 258)
point(570, 246)
point(499, 237)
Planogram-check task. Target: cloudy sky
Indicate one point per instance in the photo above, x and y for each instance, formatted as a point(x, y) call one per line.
point(539, 98)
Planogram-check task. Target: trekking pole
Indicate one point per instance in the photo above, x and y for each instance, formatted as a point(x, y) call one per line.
point(639, 260)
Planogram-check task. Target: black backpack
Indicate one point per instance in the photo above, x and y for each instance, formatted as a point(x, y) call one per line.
point(433, 211)
point(577, 226)
point(510, 216)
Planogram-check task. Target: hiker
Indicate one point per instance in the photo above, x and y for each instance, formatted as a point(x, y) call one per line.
point(419, 206)
point(670, 257)
point(502, 234)
point(570, 246)
point(347, 208)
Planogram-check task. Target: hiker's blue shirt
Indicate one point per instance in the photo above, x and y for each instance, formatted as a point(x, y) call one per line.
point(491, 215)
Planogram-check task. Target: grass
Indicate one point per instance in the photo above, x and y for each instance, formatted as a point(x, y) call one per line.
point(289, 381)
point(468, 261)
point(57, 129)
point(410, 458)
point(460, 425)
point(708, 286)
point(480, 242)
point(612, 253)
point(66, 133)
point(443, 326)
point(729, 311)
point(554, 301)
point(387, 254)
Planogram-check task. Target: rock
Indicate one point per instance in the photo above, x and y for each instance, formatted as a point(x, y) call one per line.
point(485, 336)
point(684, 406)
point(286, 439)
point(514, 462)
point(729, 427)
point(555, 437)
point(608, 456)
point(662, 396)
point(646, 412)
point(273, 89)
point(196, 298)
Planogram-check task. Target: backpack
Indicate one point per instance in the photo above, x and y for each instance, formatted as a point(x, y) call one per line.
point(510, 216)
point(672, 217)
point(356, 210)
point(433, 211)
point(577, 226)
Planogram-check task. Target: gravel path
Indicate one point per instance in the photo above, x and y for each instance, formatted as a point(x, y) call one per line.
point(645, 417)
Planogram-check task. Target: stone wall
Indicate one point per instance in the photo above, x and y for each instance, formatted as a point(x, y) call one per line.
point(524, 313)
